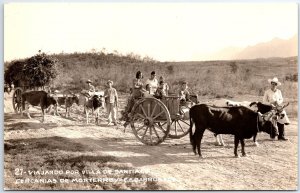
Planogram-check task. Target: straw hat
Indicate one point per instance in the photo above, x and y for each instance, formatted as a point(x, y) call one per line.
point(275, 80)
point(88, 81)
point(110, 81)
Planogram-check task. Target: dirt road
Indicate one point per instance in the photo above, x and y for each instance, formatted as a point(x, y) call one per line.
point(270, 166)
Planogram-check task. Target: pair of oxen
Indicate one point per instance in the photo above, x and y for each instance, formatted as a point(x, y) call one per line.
point(237, 120)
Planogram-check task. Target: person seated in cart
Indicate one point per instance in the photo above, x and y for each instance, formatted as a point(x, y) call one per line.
point(165, 85)
point(153, 82)
point(147, 92)
point(137, 92)
point(160, 92)
point(183, 93)
point(185, 102)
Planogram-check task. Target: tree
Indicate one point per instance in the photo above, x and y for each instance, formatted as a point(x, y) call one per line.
point(36, 71)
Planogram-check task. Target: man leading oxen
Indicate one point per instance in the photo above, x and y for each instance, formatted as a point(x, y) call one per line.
point(273, 96)
point(241, 122)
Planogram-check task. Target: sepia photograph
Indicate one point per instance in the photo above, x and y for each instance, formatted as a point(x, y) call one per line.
point(150, 96)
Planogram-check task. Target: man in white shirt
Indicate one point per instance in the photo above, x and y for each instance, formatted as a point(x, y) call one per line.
point(273, 96)
point(153, 83)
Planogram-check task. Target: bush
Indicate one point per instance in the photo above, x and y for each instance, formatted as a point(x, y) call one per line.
point(292, 77)
point(233, 67)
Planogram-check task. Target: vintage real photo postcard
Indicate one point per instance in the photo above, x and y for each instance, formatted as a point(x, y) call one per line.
point(150, 96)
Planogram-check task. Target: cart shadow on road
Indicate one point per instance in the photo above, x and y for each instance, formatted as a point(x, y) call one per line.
point(124, 146)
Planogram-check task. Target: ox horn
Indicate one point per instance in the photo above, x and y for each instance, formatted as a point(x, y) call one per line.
point(285, 105)
point(280, 108)
point(253, 103)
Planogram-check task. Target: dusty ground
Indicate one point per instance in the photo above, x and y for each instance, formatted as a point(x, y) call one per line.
point(270, 166)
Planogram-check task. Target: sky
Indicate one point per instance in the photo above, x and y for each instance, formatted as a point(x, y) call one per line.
point(162, 31)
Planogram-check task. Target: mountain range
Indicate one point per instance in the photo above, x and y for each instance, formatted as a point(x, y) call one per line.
point(274, 48)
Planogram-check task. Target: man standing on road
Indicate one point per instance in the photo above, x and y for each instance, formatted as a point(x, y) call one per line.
point(111, 101)
point(274, 97)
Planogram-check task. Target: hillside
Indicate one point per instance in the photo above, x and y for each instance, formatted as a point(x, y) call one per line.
point(207, 78)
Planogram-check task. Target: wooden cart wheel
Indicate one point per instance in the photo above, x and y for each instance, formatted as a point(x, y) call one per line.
point(179, 127)
point(150, 121)
point(17, 100)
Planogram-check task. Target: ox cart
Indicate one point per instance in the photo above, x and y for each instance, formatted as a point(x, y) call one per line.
point(153, 120)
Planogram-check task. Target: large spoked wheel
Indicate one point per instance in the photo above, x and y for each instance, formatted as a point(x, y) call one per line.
point(179, 127)
point(17, 100)
point(150, 121)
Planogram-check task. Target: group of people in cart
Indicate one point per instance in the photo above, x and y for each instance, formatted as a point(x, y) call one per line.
point(152, 87)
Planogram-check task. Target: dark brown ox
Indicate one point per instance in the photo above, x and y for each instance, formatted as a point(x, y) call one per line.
point(241, 122)
point(37, 98)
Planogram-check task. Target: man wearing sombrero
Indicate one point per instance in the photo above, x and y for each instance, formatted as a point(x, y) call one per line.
point(273, 96)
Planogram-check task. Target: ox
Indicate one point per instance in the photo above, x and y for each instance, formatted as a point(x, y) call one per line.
point(93, 104)
point(68, 101)
point(229, 103)
point(241, 122)
point(36, 98)
point(283, 118)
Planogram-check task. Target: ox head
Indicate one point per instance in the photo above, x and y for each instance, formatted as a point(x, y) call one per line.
point(51, 101)
point(268, 123)
point(75, 98)
point(279, 108)
point(97, 101)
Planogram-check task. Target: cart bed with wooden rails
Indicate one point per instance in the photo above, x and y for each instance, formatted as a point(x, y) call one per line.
point(153, 120)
